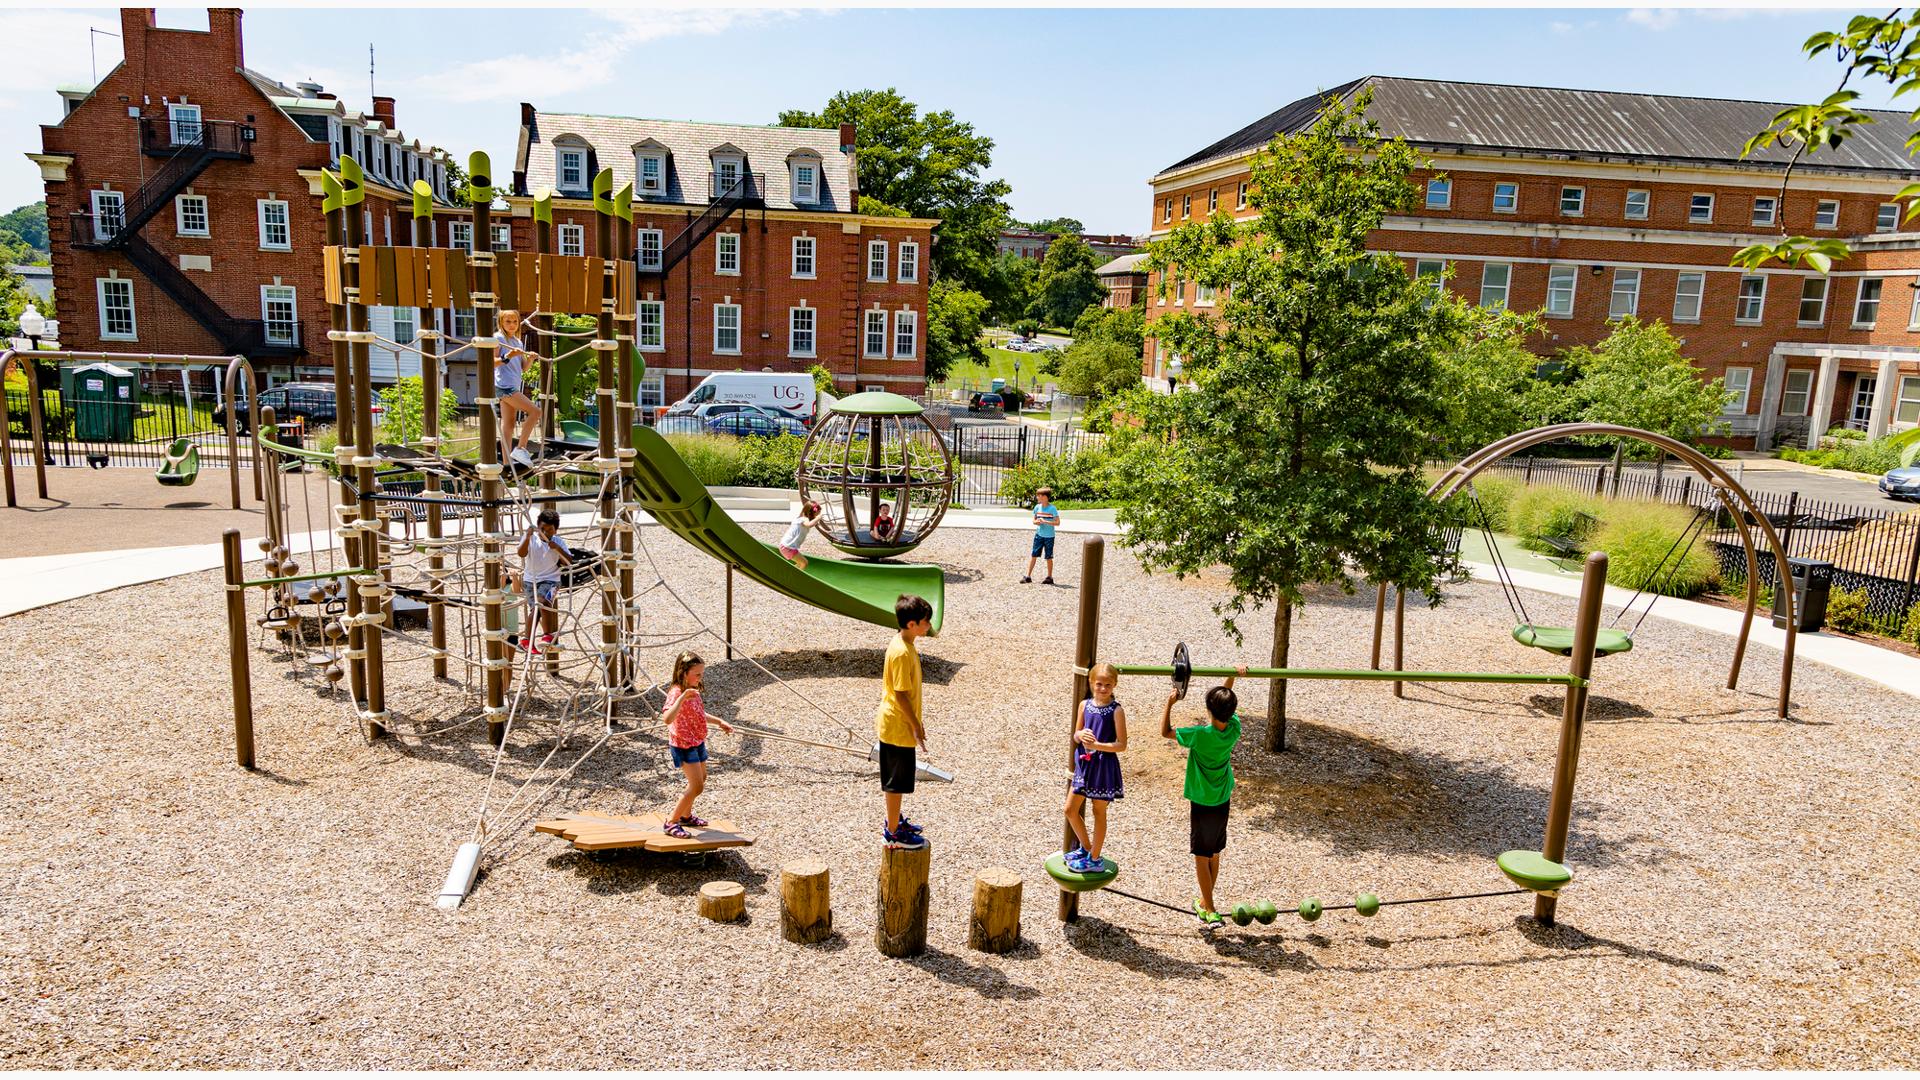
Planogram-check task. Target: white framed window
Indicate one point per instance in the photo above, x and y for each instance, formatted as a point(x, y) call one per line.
point(653, 173)
point(653, 391)
point(1826, 214)
point(1753, 299)
point(1202, 295)
point(275, 233)
point(726, 253)
point(117, 322)
point(1240, 201)
point(465, 324)
point(1166, 215)
point(649, 247)
point(1813, 301)
point(1913, 312)
point(1439, 193)
point(277, 308)
point(183, 123)
point(726, 173)
point(650, 324)
point(1887, 218)
point(803, 256)
point(1506, 196)
point(1213, 199)
point(1739, 382)
point(1866, 307)
point(1186, 207)
point(1573, 201)
point(800, 327)
point(1796, 394)
point(806, 182)
point(190, 215)
point(502, 237)
point(573, 239)
point(1562, 282)
point(573, 169)
point(1434, 273)
point(109, 213)
point(460, 234)
point(1494, 279)
point(875, 345)
point(1765, 209)
point(726, 329)
point(906, 334)
point(909, 269)
point(876, 260)
point(1700, 210)
point(1179, 293)
point(1638, 204)
point(406, 324)
point(1687, 292)
point(1626, 294)
point(1906, 407)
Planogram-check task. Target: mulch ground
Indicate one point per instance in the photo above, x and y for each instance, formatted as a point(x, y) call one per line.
point(1743, 896)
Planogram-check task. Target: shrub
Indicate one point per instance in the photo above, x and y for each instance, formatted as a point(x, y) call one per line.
point(1847, 611)
point(1496, 498)
point(1845, 433)
point(324, 439)
point(1539, 512)
point(1073, 478)
point(770, 462)
point(1637, 536)
point(716, 461)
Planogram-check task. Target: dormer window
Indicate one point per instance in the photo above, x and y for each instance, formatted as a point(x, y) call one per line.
point(653, 173)
point(573, 168)
point(806, 182)
point(728, 165)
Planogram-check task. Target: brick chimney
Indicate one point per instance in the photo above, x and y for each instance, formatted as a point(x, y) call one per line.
point(383, 108)
point(846, 138)
point(134, 24)
point(224, 25)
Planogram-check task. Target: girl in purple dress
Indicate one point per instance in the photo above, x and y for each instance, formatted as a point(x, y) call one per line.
point(1101, 734)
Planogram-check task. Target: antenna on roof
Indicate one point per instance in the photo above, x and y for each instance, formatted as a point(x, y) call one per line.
point(370, 72)
point(90, 53)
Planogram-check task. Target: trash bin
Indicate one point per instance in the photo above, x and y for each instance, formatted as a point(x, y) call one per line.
point(103, 403)
point(1812, 580)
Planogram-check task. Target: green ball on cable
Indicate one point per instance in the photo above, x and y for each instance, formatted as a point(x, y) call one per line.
point(1242, 913)
point(1310, 909)
point(1265, 911)
point(1367, 904)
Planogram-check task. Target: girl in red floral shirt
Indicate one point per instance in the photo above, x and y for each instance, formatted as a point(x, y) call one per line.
point(686, 720)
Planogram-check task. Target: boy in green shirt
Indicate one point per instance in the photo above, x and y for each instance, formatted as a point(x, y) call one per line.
point(1209, 787)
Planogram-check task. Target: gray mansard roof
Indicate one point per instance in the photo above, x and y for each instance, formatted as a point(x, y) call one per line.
point(1578, 123)
point(613, 139)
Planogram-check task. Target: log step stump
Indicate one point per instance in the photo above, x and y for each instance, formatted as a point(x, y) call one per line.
point(723, 901)
point(995, 927)
point(806, 914)
point(901, 927)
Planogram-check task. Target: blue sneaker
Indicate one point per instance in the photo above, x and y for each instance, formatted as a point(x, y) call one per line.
point(1082, 863)
point(908, 826)
point(903, 839)
point(1077, 853)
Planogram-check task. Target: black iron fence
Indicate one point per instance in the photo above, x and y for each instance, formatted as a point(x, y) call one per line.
point(1874, 551)
point(86, 431)
point(984, 453)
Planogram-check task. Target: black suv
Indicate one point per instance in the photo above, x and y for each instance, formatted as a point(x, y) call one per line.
point(312, 402)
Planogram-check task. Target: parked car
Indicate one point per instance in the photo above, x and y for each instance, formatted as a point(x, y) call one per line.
point(743, 424)
point(792, 393)
point(314, 403)
point(986, 405)
point(680, 425)
point(704, 413)
point(1902, 483)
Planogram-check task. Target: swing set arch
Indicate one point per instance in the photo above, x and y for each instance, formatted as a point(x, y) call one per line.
point(1746, 516)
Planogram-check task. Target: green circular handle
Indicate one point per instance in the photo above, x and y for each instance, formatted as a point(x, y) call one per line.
point(1367, 904)
point(1310, 909)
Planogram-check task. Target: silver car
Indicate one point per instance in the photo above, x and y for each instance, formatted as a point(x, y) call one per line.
point(1902, 483)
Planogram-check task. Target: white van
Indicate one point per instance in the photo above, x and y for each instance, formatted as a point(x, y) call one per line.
point(792, 393)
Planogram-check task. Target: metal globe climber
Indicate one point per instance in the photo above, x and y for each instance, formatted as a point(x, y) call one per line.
point(876, 451)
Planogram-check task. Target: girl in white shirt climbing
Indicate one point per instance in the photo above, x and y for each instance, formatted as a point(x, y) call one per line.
point(796, 534)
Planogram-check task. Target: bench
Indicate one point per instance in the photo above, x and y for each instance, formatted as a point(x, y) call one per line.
point(1568, 544)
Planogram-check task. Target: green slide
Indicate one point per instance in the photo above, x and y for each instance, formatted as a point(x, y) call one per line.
point(858, 590)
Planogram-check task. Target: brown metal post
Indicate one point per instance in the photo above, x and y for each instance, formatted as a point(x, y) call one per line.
point(493, 547)
point(1086, 644)
point(623, 335)
point(238, 660)
point(604, 347)
point(37, 426)
point(347, 510)
point(538, 345)
point(1573, 717)
point(6, 434)
point(370, 586)
point(729, 611)
point(428, 341)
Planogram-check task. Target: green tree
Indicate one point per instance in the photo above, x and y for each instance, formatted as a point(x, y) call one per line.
point(1128, 326)
point(1067, 284)
point(955, 318)
point(1058, 226)
point(15, 295)
point(1296, 459)
point(822, 379)
point(1099, 368)
point(1009, 287)
point(1490, 383)
point(15, 250)
point(29, 223)
point(406, 410)
point(932, 165)
point(1638, 377)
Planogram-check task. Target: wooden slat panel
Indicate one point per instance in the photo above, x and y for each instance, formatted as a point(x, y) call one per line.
point(506, 279)
point(423, 295)
point(403, 294)
point(330, 259)
point(623, 286)
point(386, 277)
point(459, 285)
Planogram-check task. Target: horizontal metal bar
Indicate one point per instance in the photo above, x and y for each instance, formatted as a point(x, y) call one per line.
point(321, 575)
point(1363, 674)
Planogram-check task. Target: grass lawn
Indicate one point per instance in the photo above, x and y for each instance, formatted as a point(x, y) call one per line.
point(999, 365)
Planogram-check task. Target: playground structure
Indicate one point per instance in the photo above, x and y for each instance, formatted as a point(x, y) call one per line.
point(876, 452)
point(345, 613)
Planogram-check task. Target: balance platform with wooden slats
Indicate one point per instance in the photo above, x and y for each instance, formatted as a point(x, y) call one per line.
point(606, 832)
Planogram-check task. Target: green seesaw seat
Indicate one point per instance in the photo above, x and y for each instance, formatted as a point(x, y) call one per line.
point(669, 491)
point(1559, 639)
point(1533, 871)
point(1074, 881)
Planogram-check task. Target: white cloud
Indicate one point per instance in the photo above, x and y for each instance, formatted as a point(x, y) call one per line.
point(1561, 27)
point(523, 76)
point(1654, 18)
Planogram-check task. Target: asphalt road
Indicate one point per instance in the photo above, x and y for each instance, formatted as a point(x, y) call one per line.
point(1772, 477)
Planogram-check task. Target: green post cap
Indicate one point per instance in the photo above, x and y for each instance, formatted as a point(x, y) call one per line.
point(330, 191)
point(353, 182)
point(623, 202)
point(1310, 909)
point(543, 205)
point(1367, 904)
point(479, 177)
point(603, 192)
point(422, 199)
point(877, 403)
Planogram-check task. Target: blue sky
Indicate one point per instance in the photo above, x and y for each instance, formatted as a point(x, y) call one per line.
point(1084, 105)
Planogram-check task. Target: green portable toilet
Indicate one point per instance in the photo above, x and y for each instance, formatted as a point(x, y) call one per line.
point(103, 402)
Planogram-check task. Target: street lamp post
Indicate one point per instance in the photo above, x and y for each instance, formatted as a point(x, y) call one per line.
point(33, 327)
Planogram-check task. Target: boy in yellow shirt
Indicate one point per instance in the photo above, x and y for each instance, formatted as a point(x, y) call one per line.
point(897, 721)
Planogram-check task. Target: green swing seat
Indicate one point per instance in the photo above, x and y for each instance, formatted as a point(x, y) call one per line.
point(1533, 871)
point(1073, 881)
point(1559, 639)
point(182, 466)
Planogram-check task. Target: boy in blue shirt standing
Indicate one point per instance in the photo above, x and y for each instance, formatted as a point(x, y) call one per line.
point(1045, 517)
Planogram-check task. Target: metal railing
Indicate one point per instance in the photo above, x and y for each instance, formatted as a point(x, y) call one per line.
point(721, 185)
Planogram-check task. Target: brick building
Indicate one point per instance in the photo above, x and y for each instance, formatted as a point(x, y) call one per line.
point(1591, 205)
point(183, 202)
point(1125, 280)
point(1033, 245)
point(751, 252)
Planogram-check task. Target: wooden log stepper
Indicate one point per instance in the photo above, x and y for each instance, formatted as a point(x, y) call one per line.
point(723, 901)
point(995, 926)
point(806, 914)
point(901, 926)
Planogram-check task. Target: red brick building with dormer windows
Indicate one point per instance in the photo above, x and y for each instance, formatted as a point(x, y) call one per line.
point(1591, 205)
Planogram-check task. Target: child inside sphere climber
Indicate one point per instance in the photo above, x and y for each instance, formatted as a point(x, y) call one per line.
point(1209, 786)
point(1100, 735)
point(686, 720)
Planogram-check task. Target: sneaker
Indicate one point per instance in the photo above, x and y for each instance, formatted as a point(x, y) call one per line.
point(531, 648)
point(1046, 581)
point(1207, 917)
point(521, 457)
point(546, 639)
point(1026, 580)
point(908, 826)
point(1082, 863)
point(903, 839)
point(1078, 852)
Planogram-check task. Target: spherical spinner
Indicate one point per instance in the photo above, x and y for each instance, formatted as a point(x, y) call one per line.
point(881, 473)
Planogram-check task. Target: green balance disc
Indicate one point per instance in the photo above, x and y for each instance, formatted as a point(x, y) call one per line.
point(1074, 881)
